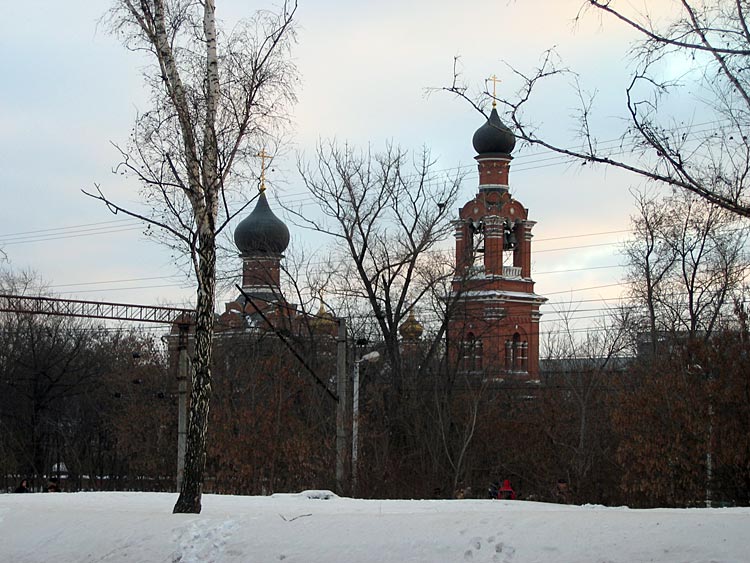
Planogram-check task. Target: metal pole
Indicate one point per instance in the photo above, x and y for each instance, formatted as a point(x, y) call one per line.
point(371, 357)
point(355, 425)
point(709, 377)
point(182, 375)
point(341, 408)
point(709, 461)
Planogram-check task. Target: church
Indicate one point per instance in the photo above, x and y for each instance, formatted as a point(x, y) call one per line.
point(493, 329)
point(278, 366)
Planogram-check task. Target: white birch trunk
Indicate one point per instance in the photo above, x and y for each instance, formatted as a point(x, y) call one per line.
point(206, 213)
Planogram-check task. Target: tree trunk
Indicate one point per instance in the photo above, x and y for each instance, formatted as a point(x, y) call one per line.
point(205, 210)
point(189, 500)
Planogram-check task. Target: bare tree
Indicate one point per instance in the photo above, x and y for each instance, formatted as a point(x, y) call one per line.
point(274, 425)
point(458, 409)
point(708, 154)
point(687, 261)
point(386, 218)
point(60, 381)
point(579, 369)
point(387, 213)
point(216, 99)
point(650, 257)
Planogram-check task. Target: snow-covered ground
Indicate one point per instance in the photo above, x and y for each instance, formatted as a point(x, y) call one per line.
point(307, 527)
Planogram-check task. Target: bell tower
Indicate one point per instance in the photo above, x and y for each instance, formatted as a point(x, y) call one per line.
point(494, 331)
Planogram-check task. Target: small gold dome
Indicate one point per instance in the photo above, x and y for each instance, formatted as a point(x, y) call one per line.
point(411, 328)
point(323, 320)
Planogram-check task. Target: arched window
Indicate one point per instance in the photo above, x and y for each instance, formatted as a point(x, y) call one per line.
point(508, 355)
point(471, 353)
point(516, 354)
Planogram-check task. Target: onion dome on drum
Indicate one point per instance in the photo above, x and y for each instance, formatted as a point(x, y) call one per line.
point(494, 137)
point(261, 232)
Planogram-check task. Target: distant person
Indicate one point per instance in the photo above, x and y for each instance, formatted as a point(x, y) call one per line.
point(52, 486)
point(506, 492)
point(23, 487)
point(492, 491)
point(561, 494)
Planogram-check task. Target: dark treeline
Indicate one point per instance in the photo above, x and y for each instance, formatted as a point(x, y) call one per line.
point(87, 405)
point(645, 431)
point(97, 409)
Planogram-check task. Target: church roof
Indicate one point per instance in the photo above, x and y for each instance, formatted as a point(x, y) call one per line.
point(411, 328)
point(261, 231)
point(494, 137)
point(323, 321)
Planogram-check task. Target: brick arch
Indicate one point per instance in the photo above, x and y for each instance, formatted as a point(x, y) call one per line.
point(517, 351)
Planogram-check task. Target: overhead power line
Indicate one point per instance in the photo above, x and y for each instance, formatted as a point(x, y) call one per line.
point(522, 163)
point(67, 228)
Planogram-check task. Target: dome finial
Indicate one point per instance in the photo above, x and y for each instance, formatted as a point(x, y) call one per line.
point(495, 80)
point(263, 155)
point(322, 308)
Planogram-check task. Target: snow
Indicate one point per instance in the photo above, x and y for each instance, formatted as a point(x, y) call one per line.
point(318, 526)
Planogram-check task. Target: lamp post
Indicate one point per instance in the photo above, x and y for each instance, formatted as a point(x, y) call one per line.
point(709, 447)
point(371, 357)
point(341, 406)
point(708, 378)
point(709, 461)
point(183, 365)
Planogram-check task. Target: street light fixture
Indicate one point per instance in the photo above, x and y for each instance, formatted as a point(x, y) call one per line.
point(371, 357)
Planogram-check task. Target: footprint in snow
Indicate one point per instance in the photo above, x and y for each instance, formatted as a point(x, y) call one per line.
point(503, 550)
point(201, 541)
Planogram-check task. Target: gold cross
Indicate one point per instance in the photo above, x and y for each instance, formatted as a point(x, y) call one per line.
point(495, 80)
point(263, 155)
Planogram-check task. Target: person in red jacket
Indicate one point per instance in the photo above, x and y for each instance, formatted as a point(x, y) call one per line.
point(506, 492)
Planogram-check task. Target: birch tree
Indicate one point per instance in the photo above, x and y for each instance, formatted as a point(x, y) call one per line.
point(217, 98)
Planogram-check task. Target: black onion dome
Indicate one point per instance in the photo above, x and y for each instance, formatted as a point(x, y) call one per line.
point(261, 231)
point(494, 136)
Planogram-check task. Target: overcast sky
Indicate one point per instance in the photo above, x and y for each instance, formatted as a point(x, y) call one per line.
point(69, 89)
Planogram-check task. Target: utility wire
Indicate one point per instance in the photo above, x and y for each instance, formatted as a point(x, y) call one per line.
point(526, 160)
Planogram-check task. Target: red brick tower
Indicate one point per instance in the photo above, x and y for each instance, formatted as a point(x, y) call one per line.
point(494, 331)
point(261, 239)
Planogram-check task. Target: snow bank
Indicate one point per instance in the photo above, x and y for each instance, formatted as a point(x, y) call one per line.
point(318, 526)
